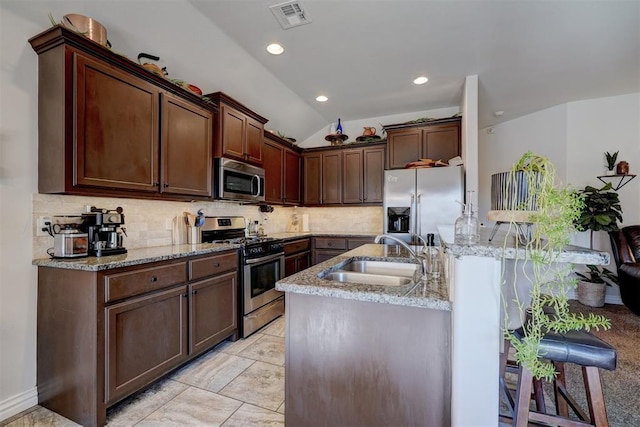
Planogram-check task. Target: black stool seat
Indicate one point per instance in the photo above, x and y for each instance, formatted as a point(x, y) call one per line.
point(579, 347)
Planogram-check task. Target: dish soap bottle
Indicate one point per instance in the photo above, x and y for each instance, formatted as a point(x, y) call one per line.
point(466, 228)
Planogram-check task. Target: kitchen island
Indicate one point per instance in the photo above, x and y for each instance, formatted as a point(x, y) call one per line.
point(426, 353)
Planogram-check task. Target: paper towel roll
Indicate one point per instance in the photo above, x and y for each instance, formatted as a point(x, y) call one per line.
point(305, 222)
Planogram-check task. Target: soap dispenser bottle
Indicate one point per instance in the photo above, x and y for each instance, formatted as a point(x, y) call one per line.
point(467, 231)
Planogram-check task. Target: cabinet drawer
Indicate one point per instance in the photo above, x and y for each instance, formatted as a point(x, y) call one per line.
point(330, 243)
point(296, 246)
point(354, 242)
point(212, 265)
point(138, 281)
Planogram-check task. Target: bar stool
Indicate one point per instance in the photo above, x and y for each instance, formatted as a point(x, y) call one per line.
point(581, 348)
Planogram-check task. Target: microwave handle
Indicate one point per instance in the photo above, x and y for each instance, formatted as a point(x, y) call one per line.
point(258, 185)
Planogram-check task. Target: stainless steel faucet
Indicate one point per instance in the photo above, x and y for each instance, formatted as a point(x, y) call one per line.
point(413, 253)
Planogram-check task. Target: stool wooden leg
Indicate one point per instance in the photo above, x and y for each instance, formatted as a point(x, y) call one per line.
point(559, 384)
point(523, 398)
point(595, 396)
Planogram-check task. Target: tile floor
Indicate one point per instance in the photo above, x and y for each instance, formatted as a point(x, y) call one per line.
point(234, 384)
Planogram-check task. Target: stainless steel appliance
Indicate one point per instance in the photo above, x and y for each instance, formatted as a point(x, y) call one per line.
point(68, 239)
point(105, 230)
point(238, 181)
point(261, 266)
point(416, 201)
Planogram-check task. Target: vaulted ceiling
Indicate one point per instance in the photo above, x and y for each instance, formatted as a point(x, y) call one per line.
point(363, 55)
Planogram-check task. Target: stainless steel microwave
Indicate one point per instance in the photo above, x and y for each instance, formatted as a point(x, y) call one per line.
point(238, 181)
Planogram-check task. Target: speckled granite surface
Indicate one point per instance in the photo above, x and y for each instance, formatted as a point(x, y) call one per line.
point(503, 246)
point(135, 257)
point(346, 234)
point(427, 294)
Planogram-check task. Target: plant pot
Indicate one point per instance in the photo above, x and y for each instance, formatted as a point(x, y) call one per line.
point(610, 172)
point(510, 191)
point(591, 294)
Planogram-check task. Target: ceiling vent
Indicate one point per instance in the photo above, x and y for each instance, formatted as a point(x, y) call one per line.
point(290, 14)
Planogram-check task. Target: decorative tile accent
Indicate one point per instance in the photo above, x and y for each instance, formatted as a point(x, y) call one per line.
point(261, 384)
point(249, 415)
point(213, 371)
point(193, 407)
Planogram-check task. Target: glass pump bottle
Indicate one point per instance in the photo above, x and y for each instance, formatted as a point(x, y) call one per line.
point(467, 231)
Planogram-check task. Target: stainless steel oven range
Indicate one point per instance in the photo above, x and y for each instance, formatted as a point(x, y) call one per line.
point(261, 266)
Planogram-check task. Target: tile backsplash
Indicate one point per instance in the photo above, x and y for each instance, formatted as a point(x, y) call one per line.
point(149, 222)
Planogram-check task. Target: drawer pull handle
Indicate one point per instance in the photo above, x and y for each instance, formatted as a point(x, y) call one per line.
point(217, 265)
point(154, 279)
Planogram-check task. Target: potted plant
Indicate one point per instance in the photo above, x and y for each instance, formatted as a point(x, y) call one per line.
point(554, 221)
point(601, 212)
point(611, 162)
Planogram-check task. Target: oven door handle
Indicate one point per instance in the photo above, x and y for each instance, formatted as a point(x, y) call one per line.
point(263, 259)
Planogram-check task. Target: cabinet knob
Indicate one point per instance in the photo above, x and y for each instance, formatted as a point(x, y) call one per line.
point(185, 295)
point(195, 291)
point(154, 279)
point(157, 184)
point(217, 265)
point(166, 185)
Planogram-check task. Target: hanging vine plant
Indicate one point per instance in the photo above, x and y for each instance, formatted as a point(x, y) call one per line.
point(557, 210)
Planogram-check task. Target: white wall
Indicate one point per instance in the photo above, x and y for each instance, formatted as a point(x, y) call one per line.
point(469, 138)
point(353, 128)
point(574, 136)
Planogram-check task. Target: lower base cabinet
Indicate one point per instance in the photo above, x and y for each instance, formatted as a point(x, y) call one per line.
point(297, 256)
point(325, 248)
point(105, 335)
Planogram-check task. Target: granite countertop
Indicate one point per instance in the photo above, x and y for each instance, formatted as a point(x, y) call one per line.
point(135, 257)
point(300, 235)
point(426, 294)
point(503, 246)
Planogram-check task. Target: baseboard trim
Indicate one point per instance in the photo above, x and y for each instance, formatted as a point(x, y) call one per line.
point(18, 403)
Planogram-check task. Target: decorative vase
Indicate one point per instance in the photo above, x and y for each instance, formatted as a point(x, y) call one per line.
point(339, 127)
point(622, 168)
point(610, 172)
point(510, 191)
point(591, 294)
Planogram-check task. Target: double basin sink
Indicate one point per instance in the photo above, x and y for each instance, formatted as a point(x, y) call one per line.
point(374, 273)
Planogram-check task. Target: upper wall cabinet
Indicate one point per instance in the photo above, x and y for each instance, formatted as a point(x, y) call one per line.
point(239, 133)
point(108, 126)
point(282, 166)
point(437, 140)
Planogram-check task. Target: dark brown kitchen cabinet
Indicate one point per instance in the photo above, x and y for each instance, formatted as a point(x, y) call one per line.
point(297, 256)
point(363, 175)
point(186, 147)
point(109, 127)
point(344, 176)
point(239, 130)
point(436, 140)
point(107, 334)
point(282, 171)
point(145, 338)
point(325, 248)
point(312, 178)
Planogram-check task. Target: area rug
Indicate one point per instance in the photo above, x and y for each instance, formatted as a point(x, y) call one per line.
point(622, 386)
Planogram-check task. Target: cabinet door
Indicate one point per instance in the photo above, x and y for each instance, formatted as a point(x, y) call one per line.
point(352, 176)
point(321, 256)
point(312, 179)
point(116, 117)
point(213, 311)
point(290, 265)
point(145, 338)
point(303, 261)
point(291, 177)
point(233, 132)
point(441, 142)
point(253, 141)
point(273, 168)
point(186, 148)
point(332, 177)
point(403, 146)
point(373, 175)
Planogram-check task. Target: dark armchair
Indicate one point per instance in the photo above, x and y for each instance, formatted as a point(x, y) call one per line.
point(625, 244)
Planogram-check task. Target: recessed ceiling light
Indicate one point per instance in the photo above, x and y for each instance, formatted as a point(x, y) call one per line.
point(322, 98)
point(275, 49)
point(420, 80)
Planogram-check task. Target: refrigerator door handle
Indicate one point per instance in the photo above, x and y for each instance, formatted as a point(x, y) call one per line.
point(412, 216)
point(418, 217)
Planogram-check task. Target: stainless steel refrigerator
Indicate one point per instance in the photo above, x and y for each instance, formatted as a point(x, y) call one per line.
point(417, 201)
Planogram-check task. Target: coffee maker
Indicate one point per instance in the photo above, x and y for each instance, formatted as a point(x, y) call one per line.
point(105, 229)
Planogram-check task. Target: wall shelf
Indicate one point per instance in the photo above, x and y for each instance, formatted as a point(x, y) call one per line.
point(622, 180)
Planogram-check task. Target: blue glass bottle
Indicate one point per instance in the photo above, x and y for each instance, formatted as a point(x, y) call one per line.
point(339, 127)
